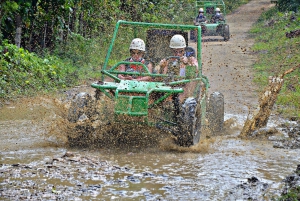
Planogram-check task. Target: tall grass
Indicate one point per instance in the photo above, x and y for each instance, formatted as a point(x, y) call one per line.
point(278, 53)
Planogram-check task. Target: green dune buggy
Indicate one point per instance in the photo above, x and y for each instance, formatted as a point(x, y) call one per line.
point(156, 102)
point(213, 26)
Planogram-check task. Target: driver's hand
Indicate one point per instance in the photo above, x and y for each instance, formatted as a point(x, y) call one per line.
point(163, 63)
point(184, 60)
point(127, 77)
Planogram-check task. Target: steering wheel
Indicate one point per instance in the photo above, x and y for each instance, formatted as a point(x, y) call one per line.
point(173, 67)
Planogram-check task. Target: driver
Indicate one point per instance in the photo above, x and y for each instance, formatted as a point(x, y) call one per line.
point(178, 45)
point(217, 17)
point(137, 52)
point(200, 17)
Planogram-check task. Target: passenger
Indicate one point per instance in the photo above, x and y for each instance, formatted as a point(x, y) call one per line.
point(200, 17)
point(137, 52)
point(178, 45)
point(217, 17)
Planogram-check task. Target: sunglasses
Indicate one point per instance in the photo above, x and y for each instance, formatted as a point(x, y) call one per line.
point(178, 51)
point(136, 52)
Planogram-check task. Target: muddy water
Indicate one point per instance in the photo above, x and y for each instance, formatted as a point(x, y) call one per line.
point(36, 162)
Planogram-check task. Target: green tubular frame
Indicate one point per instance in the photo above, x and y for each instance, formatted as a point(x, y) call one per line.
point(210, 3)
point(156, 25)
point(144, 88)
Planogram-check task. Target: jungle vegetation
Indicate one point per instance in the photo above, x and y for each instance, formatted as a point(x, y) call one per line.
point(56, 44)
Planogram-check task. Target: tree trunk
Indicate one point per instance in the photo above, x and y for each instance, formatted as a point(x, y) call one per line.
point(43, 45)
point(18, 20)
point(266, 102)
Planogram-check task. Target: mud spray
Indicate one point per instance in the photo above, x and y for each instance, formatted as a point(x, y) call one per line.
point(266, 102)
point(100, 130)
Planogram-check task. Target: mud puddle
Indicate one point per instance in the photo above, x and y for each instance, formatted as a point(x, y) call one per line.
point(150, 168)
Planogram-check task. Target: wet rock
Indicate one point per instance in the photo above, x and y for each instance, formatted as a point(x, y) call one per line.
point(68, 154)
point(291, 190)
point(293, 139)
point(263, 133)
point(253, 189)
point(63, 169)
point(133, 179)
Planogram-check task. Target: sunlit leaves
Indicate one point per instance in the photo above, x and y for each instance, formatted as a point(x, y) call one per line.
point(23, 72)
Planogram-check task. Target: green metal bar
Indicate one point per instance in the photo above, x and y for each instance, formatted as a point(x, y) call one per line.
point(184, 81)
point(110, 48)
point(161, 99)
point(205, 81)
point(157, 25)
point(110, 75)
point(143, 74)
point(172, 26)
point(199, 51)
point(106, 93)
point(130, 63)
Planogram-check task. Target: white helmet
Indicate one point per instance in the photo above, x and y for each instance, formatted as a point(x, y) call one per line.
point(217, 10)
point(201, 10)
point(137, 44)
point(177, 41)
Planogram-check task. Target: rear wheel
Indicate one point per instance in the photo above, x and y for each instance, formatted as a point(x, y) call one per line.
point(215, 112)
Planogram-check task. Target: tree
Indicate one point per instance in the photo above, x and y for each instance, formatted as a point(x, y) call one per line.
point(288, 5)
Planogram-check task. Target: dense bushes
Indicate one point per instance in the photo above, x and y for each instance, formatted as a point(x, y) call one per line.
point(288, 5)
point(24, 73)
point(73, 46)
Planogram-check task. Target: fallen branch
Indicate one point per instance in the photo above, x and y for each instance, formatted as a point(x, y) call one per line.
point(266, 102)
point(293, 34)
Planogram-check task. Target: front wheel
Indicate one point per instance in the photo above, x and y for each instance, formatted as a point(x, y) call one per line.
point(226, 33)
point(80, 116)
point(190, 123)
point(81, 107)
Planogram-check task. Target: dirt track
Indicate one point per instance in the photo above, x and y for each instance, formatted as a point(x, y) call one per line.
point(32, 168)
point(228, 64)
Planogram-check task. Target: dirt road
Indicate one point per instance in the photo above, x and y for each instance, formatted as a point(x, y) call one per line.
point(36, 166)
point(228, 65)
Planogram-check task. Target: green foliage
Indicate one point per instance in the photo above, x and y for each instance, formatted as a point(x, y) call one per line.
point(24, 73)
point(291, 195)
point(71, 38)
point(233, 4)
point(278, 53)
point(288, 5)
point(268, 15)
